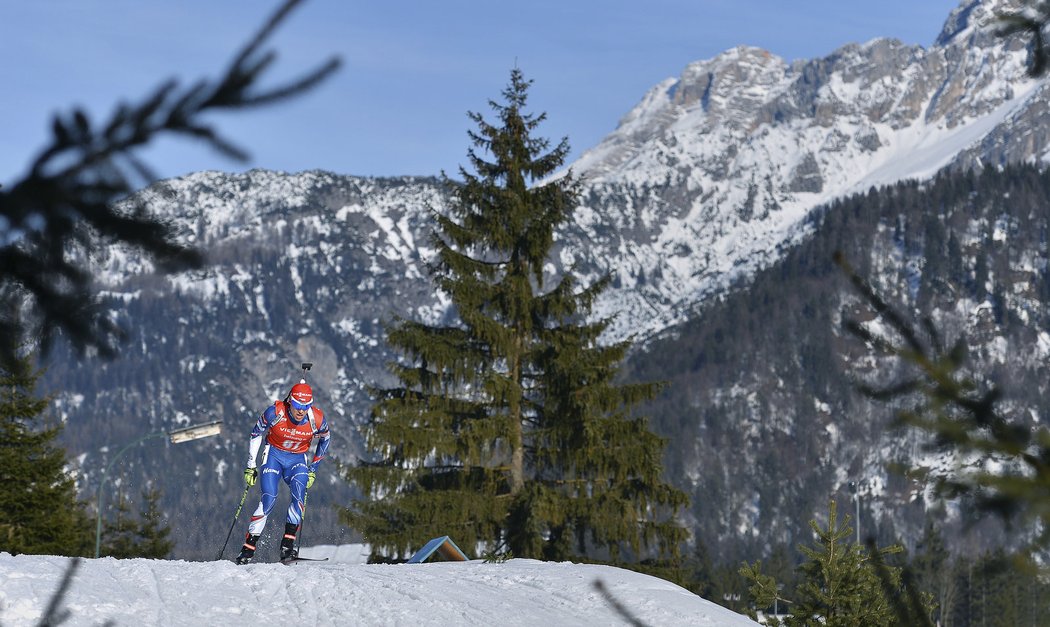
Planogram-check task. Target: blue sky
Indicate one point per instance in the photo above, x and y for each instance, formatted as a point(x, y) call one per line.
point(411, 69)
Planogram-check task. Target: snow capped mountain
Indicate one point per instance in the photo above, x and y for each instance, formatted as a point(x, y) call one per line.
point(713, 177)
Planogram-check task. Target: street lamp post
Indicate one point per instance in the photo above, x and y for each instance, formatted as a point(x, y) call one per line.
point(176, 436)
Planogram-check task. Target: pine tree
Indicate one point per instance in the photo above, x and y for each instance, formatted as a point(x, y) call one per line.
point(838, 586)
point(143, 537)
point(507, 428)
point(39, 511)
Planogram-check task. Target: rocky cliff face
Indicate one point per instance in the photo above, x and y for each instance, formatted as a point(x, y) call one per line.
point(712, 178)
point(714, 172)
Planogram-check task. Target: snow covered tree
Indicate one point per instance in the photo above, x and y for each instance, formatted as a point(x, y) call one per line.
point(39, 511)
point(507, 428)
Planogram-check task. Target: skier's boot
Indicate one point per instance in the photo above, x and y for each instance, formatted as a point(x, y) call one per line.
point(288, 551)
point(248, 550)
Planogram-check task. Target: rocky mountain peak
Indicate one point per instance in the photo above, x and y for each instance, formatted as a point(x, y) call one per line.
point(975, 18)
point(725, 162)
point(734, 79)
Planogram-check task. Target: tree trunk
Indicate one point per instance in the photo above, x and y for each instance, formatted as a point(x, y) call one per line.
point(517, 446)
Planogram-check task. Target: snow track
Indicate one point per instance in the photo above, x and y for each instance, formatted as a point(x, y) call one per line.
point(176, 593)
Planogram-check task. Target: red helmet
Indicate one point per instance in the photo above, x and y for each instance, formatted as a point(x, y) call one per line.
point(301, 396)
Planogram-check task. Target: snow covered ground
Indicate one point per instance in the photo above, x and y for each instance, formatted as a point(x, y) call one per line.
point(336, 592)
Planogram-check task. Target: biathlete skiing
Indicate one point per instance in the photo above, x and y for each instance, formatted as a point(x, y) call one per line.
point(291, 426)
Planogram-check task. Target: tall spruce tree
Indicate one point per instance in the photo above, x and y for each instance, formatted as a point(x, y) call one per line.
point(39, 511)
point(507, 429)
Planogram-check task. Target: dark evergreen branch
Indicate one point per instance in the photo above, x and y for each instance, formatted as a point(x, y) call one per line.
point(66, 207)
point(879, 305)
point(1029, 25)
point(908, 607)
point(54, 615)
point(890, 392)
point(293, 89)
point(624, 613)
point(960, 417)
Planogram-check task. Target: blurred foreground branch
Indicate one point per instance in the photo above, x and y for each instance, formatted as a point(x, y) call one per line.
point(64, 210)
point(1007, 465)
point(615, 603)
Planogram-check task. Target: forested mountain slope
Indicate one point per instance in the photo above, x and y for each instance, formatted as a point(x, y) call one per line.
point(763, 416)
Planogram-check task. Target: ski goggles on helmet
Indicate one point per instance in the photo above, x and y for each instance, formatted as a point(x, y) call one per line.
point(300, 406)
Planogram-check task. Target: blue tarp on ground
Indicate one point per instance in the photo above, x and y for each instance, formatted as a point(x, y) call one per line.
point(444, 546)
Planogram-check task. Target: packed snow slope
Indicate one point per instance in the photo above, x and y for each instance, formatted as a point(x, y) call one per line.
point(173, 593)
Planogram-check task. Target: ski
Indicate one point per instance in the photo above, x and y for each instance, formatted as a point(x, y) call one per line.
point(293, 560)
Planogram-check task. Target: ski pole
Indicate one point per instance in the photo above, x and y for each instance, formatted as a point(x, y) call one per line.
point(302, 517)
point(236, 515)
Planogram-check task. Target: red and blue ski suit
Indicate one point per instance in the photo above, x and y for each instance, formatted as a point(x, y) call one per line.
point(286, 457)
